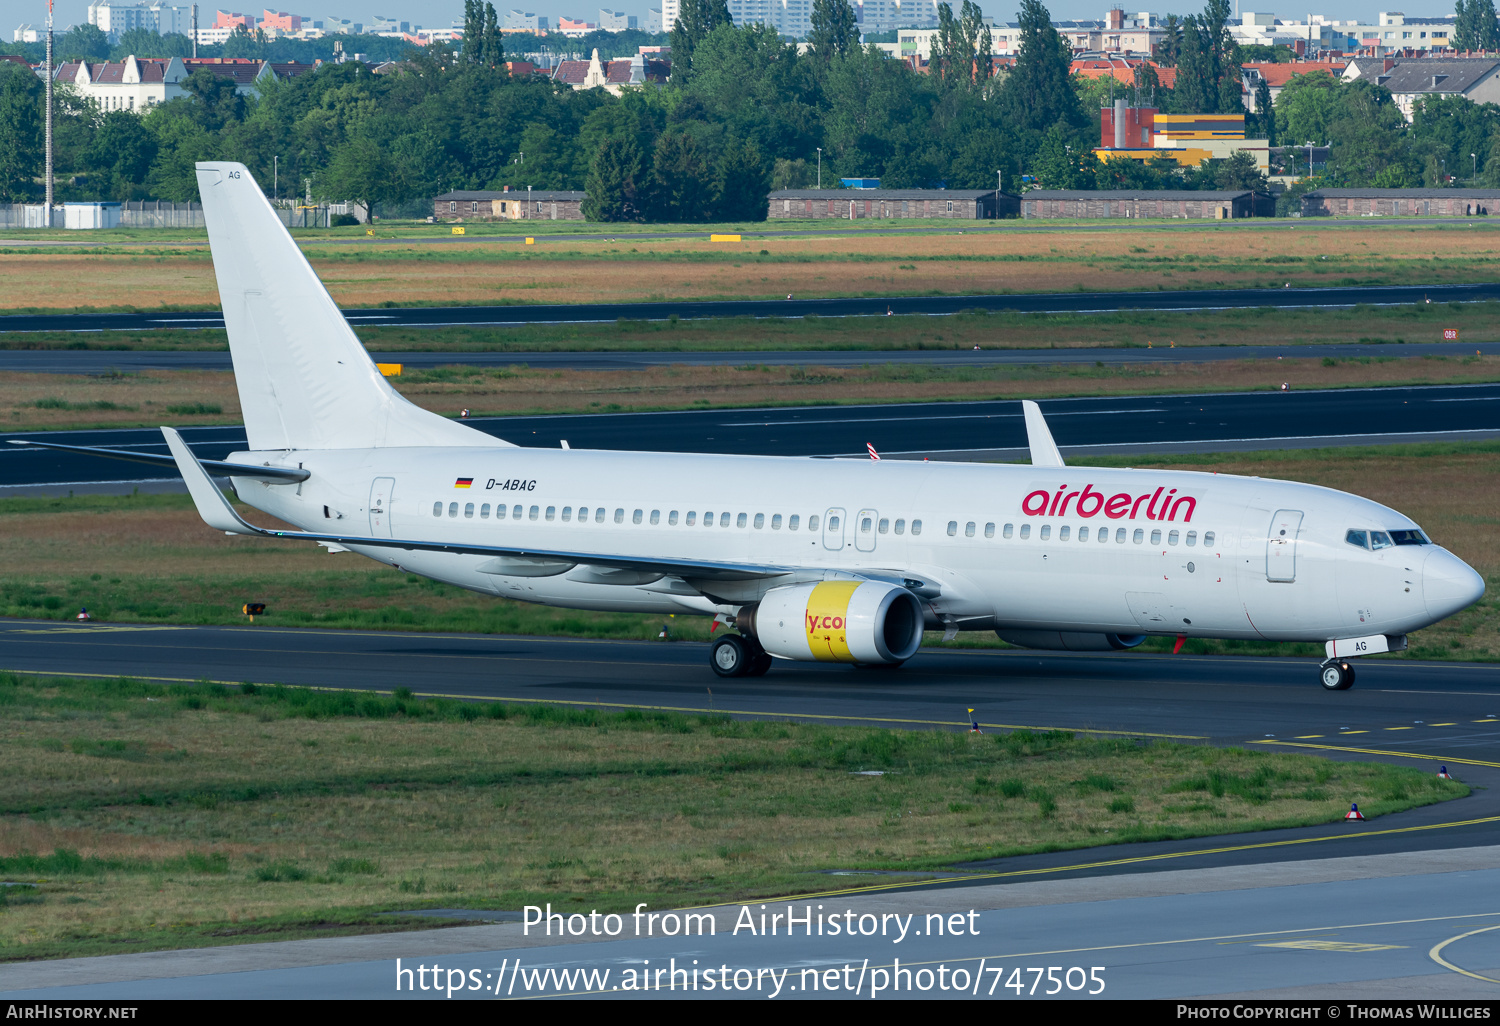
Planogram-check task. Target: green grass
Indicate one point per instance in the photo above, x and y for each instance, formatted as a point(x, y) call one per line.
point(200, 814)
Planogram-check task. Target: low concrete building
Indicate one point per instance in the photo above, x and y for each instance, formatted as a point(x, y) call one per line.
point(853, 204)
point(1401, 203)
point(512, 205)
point(1091, 203)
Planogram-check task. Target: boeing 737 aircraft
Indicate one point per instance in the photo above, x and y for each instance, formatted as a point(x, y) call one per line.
point(844, 560)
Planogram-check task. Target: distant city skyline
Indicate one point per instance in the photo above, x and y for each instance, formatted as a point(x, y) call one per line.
point(439, 15)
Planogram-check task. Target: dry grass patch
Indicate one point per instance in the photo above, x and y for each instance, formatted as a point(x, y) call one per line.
point(939, 262)
point(206, 816)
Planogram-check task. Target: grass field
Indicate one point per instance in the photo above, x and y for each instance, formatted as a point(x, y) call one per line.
point(629, 270)
point(41, 402)
point(148, 558)
point(152, 817)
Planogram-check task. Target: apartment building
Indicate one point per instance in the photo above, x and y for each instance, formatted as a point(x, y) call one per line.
point(137, 83)
point(115, 19)
point(616, 21)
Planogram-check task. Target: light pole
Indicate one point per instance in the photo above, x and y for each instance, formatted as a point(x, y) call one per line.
point(1474, 167)
point(49, 114)
point(1443, 161)
point(998, 176)
point(276, 177)
point(820, 167)
point(1309, 157)
point(528, 203)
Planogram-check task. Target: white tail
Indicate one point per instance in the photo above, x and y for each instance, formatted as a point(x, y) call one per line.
point(305, 380)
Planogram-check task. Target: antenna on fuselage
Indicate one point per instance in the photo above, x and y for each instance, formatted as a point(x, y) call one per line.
point(1044, 451)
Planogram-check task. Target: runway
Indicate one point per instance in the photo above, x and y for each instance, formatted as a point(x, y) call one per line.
point(1348, 910)
point(95, 361)
point(1222, 422)
point(585, 313)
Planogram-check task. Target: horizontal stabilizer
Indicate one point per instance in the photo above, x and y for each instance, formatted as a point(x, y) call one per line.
point(271, 475)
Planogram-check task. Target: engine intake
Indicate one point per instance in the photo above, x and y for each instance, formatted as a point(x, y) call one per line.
point(837, 622)
point(1071, 641)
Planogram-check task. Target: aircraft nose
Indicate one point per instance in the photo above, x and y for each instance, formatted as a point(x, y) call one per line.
point(1449, 584)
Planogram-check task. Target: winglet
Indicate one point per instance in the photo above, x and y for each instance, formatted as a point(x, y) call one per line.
point(1044, 452)
point(212, 506)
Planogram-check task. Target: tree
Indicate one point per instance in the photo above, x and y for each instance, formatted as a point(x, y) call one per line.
point(473, 32)
point(121, 155)
point(947, 47)
point(1038, 93)
point(1475, 26)
point(360, 171)
point(1191, 94)
point(682, 184)
point(614, 182)
point(217, 101)
point(83, 42)
point(491, 49)
point(697, 19)
point(978, 44)
point(20, 133)
point(744, 184)
point(834, 32)
point(1171, 41)
point(1239, 172)
point(143, 42)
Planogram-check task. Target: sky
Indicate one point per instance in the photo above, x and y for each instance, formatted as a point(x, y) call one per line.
point(432, 15)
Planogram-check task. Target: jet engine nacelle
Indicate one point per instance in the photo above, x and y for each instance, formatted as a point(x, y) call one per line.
point(1071, 641)
point(837, 622)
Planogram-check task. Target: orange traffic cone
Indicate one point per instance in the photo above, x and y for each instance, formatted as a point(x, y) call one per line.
point(1354, 813)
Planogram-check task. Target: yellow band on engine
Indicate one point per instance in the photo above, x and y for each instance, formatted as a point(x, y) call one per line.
point(826, 616)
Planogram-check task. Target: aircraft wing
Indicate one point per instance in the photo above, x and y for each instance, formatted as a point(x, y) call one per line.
point(279, 475)
point(217, 512)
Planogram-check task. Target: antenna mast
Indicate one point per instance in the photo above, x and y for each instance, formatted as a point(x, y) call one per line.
point(49, 114)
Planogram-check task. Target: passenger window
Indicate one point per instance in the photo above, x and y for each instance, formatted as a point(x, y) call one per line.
point(969, 529)
point(1063, 532)
point(500, 511)
point(885, 526)
point(1172, 537)
point(1103, 535)
point(692, 518)
point(533, 512)
point(656, 516)
point(812, 523)
point(1083, 534)
point(1010, 529)
point(468, 511)
point(1378, 540)
point(1046, 531)
point(453, 509)
point(619, 516)
point(1139, 536)
point(1025, 531)
point(833, 523)
point(437, 509)
point(1120, 536)
point(1208, 539)
point(484, 511)
point(583, 514)
point(567, 513)
point(776, 522)
point(952, 528)
point(708, 519)
point(901, 526)
point(739, 521)
point(791, 522)
point(916, 527)
point(598, 514)
point(636, 517)
point(672, 519)
point(1192, 538)
point(760, 521)
point(989, 530)
point(865, 525)
point(1156, 537)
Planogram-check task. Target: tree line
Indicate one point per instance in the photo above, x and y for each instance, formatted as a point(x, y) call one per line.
point(743, 113)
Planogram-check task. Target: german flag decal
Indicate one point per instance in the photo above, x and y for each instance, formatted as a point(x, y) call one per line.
point(463, 482)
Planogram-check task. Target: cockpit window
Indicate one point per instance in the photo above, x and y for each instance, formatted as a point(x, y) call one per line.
point(1360, 538)
point(1410, 538)
point(1380, 540)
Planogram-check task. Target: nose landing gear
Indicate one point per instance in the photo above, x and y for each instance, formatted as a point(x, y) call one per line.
point(738, 655)
point(1336, 675)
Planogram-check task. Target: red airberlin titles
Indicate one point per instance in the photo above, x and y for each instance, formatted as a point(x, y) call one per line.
point(1043, 503)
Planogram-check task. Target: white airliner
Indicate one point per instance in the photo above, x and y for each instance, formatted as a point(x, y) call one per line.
point(844, 560)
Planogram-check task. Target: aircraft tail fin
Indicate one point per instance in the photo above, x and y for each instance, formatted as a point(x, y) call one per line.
point(304, 379)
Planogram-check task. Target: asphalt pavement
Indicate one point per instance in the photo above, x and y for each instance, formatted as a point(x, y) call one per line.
point(1222, 422)
point(96, 361)
point(582, 313)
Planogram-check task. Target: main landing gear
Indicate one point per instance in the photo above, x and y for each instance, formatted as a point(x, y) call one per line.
point(1336, 675)
point(738, 655)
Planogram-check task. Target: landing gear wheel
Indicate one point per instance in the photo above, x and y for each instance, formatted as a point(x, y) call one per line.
point(759, 665)
point(730, 657)
point(1336, 676)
